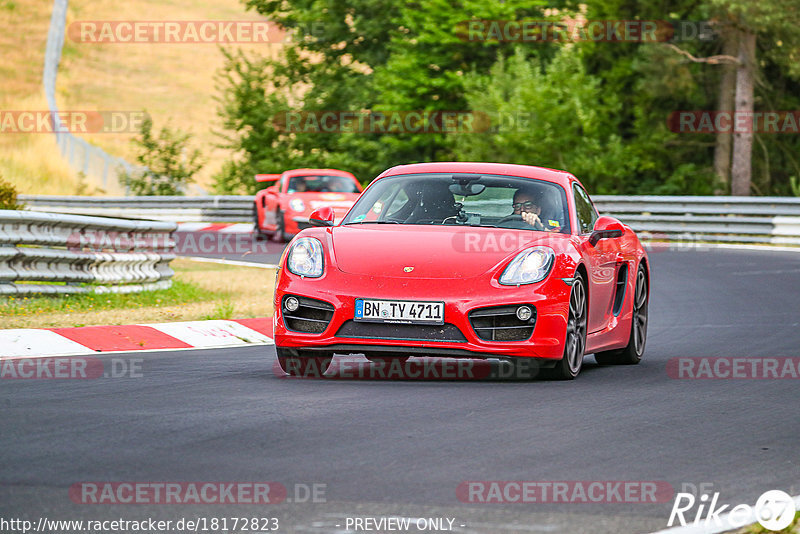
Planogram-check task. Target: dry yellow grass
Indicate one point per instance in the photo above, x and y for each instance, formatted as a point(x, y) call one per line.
point(29, 161)
point(174, 83)
point(33, 163)
point(241, 292)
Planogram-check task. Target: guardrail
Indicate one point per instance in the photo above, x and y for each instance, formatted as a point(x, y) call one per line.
point(162, 208)
point(91, 160)
point(773, 220)
point(78, 254)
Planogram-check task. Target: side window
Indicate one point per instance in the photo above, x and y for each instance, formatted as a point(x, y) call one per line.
point(587, 215)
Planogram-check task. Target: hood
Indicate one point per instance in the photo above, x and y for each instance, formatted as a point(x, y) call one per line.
point(433, 251)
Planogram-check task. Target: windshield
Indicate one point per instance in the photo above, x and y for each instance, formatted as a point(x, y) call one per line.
point(321, 184)
point(463, 200)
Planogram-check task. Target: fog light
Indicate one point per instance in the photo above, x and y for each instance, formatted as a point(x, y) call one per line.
point(292, 304)
point(524, 313)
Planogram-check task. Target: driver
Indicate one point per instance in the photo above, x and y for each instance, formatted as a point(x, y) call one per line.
point(529, 208)
point(298, 185)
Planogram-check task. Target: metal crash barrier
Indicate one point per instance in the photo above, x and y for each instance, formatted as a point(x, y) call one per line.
point(46, 253)
point(773, 220)
point(159, 208)
point(764, 220)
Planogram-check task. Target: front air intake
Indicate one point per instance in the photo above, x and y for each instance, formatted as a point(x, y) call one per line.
point(311, 316)
point(413, 332)
point(501, 323)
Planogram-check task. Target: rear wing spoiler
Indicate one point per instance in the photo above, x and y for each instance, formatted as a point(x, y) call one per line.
point(267, 177)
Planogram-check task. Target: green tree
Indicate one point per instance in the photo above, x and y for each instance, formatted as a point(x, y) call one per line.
point(776, 21)
point(365, 55)
point(169, 164)
point(740, 24)
point(8, 196)
point(553, 115)
point(395, 56)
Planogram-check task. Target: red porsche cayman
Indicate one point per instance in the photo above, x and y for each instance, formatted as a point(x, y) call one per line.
point(282, 209)
point(465, 260)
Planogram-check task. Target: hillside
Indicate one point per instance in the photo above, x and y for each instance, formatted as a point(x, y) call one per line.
point(174, 83)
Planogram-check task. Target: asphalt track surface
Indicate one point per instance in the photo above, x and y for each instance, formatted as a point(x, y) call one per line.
point(402, 447)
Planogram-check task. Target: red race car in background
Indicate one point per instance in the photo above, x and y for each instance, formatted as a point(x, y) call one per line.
point(282, 209)
point(465, 260)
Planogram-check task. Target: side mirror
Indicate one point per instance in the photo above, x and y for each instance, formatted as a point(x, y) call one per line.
point(322, 217)
point(267, 177)
point(606, 227)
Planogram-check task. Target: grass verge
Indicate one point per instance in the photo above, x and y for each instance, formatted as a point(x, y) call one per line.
point(200, 291)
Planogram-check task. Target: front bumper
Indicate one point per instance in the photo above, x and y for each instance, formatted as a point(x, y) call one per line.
point(340, 290)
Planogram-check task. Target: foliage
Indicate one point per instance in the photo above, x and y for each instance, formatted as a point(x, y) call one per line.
point(8, 196)
point(364, 55)
point(168, 162)
point(553, 115)
point(597, 109)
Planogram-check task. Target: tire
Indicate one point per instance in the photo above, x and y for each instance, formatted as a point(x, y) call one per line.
point(257, 232)
point(570, 364)
point(280, 230)
point(295, 362)
point(632, 353)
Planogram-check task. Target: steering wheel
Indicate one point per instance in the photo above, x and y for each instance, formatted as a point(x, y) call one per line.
point(514, 218)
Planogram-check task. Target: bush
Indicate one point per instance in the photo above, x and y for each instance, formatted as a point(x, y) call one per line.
point(168, 164)
point(8, 196)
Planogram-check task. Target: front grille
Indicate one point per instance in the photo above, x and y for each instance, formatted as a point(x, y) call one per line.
point(500, 323)
point(312, 317)
point(414, 332)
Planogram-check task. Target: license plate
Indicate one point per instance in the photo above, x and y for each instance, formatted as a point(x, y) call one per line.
point(399, 311)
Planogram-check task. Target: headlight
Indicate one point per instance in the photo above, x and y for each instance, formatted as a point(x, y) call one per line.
point(529, 266)
point(297, 205)
point(305, 258)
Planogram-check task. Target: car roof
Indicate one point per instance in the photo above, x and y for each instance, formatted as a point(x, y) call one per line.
point(562, 178)
point(327, 172)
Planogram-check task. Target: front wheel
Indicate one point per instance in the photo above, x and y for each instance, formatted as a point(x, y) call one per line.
point(303, 364)
point(280, 228)
point(632, 353)
point(575, 343)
